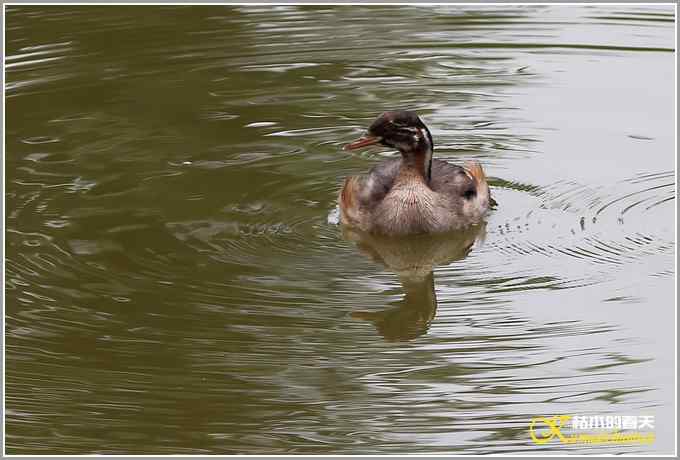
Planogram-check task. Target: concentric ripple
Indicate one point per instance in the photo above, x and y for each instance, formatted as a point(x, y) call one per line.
point(590, 232)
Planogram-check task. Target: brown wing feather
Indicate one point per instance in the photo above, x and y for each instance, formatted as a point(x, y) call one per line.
point(348, 200)
point(449, 179)
point(361, 193)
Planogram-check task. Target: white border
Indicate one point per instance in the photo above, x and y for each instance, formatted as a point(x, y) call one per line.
point(538, 452)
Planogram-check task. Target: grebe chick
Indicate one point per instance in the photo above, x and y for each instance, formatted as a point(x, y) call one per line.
point(412, 194)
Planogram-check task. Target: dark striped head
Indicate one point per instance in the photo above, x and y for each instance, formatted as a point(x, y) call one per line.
point(402, 130)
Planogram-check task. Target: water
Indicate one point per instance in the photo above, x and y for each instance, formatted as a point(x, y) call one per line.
point(173, 284)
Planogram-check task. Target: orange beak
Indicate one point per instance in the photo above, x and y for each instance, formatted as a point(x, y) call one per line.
point(363, 142)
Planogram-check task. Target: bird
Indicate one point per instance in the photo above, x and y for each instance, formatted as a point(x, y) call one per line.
point(413, 194)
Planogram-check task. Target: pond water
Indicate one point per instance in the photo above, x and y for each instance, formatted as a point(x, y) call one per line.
point(175, 282)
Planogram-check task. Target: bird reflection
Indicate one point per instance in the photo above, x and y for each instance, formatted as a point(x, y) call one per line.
point(413, 259)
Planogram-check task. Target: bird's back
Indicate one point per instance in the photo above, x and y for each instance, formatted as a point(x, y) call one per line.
point(375, 201)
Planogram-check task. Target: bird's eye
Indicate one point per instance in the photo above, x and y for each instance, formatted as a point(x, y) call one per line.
point(469, 194)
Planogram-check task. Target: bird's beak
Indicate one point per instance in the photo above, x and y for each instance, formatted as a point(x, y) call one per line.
point(363, 142)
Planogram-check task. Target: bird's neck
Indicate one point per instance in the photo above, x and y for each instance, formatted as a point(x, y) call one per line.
point(417, 164)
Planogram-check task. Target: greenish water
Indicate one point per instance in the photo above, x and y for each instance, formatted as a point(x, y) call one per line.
point(174, 283)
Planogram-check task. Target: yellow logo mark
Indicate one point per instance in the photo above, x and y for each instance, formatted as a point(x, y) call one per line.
point(544, 429)
point(554, 425)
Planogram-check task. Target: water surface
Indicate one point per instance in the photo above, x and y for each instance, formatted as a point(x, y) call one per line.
point(173, 284)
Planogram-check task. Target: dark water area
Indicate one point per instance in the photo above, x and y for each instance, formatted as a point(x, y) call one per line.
point(175, 283)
